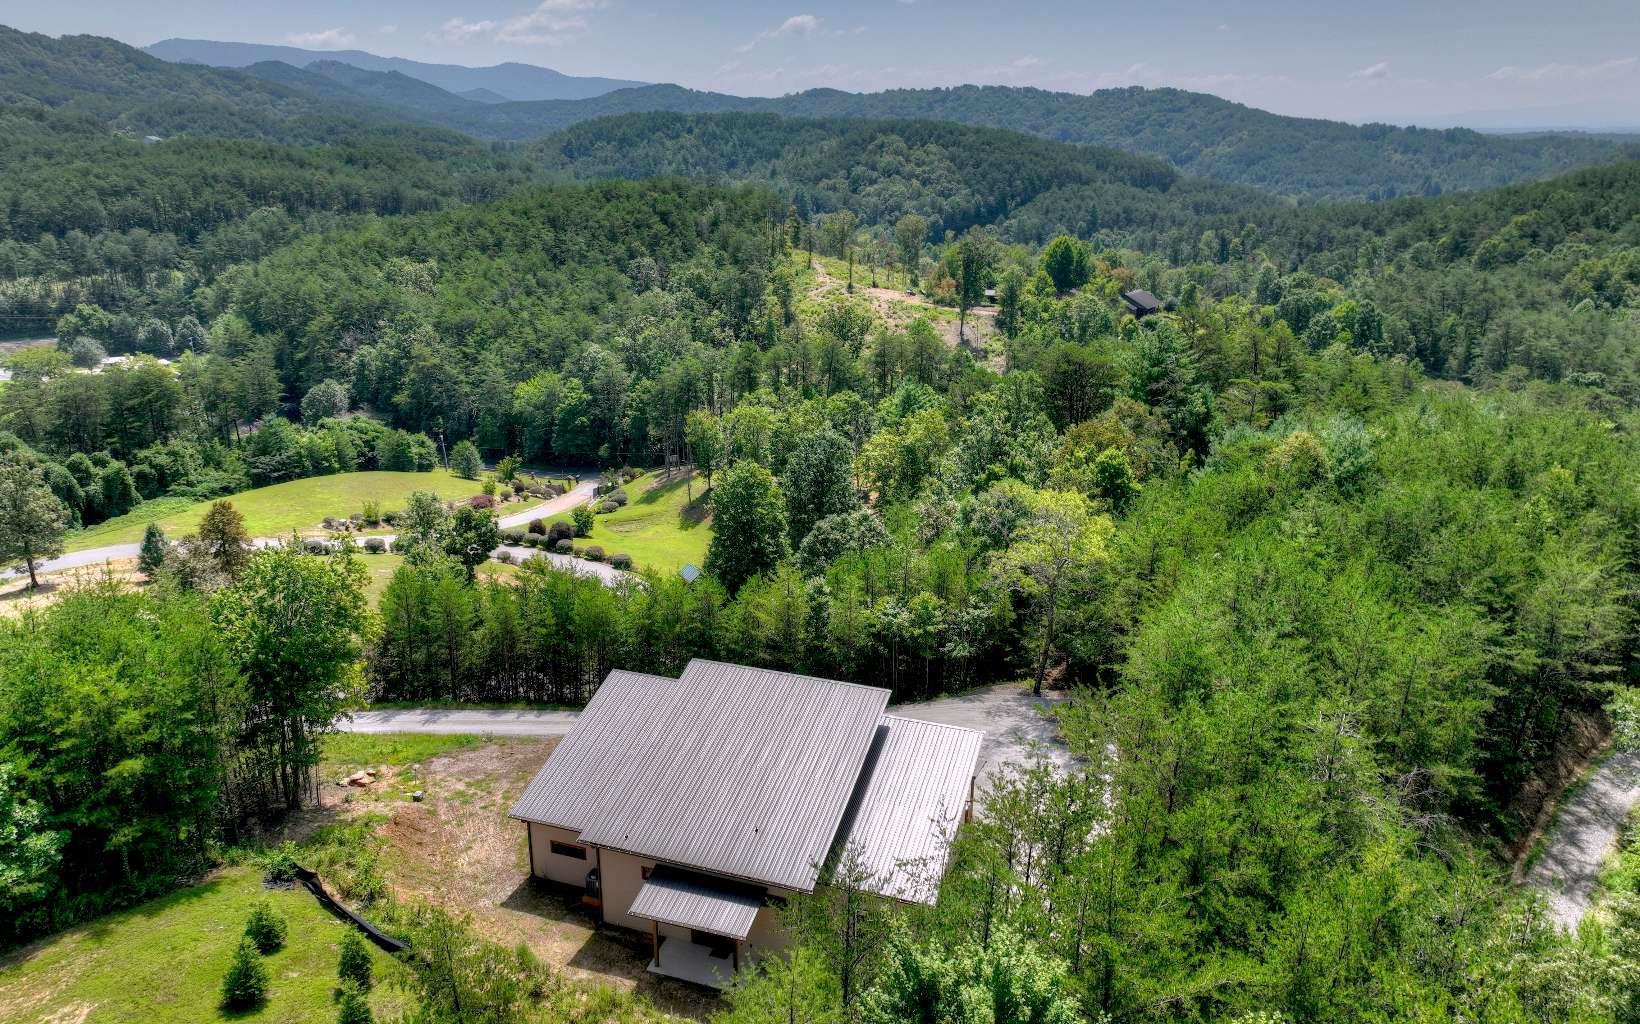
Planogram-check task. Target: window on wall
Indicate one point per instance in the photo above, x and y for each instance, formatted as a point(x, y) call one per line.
point(569, 850)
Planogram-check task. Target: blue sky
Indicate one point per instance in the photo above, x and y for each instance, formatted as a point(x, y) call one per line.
point(1424, 62)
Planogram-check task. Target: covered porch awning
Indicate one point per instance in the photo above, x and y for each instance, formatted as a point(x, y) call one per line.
point(689, 900)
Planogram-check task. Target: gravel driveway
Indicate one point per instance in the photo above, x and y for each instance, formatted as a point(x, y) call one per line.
point(1014, 722)
point(1585, 831)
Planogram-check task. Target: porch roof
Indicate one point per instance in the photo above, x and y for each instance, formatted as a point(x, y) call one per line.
point(688, 900)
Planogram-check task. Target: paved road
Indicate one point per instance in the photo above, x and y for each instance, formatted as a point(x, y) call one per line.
point(563, 503)
point(1014, 722)
point(1585, 831)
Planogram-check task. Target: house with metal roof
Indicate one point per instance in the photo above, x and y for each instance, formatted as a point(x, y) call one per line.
point(692, 808)
point(1141, 303)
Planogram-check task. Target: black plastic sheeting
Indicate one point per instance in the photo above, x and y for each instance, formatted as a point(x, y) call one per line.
point(386, 942)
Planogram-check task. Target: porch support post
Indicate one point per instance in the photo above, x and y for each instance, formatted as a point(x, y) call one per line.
point(655, 940)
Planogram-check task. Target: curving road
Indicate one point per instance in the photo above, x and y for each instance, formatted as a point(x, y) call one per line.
point(552, 507)
point(1585, 831)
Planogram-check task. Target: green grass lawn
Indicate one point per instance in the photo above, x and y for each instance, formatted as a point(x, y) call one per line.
point(380, 569)
point(275, 510)
point(347, 752)
point(162, 962)
point(660, 528)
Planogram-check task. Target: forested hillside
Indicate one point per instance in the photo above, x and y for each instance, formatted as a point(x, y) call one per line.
point(134, 94)
point(956, 177)
point(87, 216)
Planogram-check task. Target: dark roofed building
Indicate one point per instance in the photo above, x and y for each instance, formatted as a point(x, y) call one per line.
point(686, 807)
point(1141, 303)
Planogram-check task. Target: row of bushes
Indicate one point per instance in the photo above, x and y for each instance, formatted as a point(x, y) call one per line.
point(565, 545)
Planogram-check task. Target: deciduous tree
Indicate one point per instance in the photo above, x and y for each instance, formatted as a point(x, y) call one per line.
point(32, 519)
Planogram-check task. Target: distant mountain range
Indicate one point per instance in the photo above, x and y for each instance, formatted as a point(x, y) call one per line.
point(327, 99)
point(495, 84)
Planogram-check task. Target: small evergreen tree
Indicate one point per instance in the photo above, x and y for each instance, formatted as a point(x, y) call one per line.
point(353, 966)
point(265, 929)
point(583, 520)
point(353, 1007)
point(465, 461)
point(245, 985)
point(152, 556)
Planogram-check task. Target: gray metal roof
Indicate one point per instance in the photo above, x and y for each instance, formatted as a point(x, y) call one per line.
point(734, 770)
point(913, 789)
point(569, 789)
point(687, 900)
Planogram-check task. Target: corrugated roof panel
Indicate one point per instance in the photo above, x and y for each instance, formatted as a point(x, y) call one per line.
point(752, 778)
point(625, 713)
point(913, 789)
point(691, 901)
point(729, 769)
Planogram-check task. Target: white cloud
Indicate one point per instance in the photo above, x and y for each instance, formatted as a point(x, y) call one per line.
point(549, 23)
point(796, 25)
point(387, 30)
point(1030, 60)
point(1374, 72)
point(326, 39)
point(1603, 71)
point(458, 30)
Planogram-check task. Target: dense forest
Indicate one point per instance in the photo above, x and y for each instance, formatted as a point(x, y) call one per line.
point(953, 176)
point(1337, 551)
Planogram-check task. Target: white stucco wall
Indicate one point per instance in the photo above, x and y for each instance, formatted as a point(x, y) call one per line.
point(552, 866)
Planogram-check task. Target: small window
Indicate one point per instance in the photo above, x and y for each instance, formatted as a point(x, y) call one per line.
point(566, 850)
point(645, 870)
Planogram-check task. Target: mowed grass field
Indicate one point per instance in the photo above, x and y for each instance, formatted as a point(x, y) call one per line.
point(659, 527)
point(279, 509)
point(162, 962)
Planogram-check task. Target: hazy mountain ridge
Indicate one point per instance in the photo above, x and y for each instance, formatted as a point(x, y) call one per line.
point(1199, 134)
point(509, 81)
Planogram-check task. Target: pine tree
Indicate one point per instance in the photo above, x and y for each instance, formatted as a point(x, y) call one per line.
point(246, 984)
point(266, 929)
point(152, 555)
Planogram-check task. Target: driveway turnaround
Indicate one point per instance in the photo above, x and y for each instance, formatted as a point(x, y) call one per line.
point(1016, 724)
point(462, 721)
point(1584, 833)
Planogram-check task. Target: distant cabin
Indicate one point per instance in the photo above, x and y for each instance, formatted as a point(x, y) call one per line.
point(1141, 303)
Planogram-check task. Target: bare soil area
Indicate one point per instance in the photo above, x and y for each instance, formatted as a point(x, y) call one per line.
point(16, 597)
point(458, 848)
point(898, 308)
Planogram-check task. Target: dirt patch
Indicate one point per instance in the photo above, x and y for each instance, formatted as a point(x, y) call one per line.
point(897, 309)
point(16, 597)
point(458, 848)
